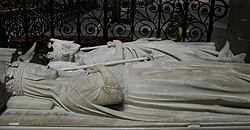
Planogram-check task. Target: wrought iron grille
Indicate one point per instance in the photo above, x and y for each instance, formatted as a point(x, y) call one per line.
point(94, 22)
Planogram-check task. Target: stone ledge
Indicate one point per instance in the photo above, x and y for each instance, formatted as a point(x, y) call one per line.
point(54, 119)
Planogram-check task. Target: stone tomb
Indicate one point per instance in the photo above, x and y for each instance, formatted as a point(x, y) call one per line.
point(152, 100)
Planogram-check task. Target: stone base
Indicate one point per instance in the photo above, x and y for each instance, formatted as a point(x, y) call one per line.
point(58, 119)
point(19, 117)
point(190, 127)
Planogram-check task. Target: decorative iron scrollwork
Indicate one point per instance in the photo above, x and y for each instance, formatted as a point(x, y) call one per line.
point(92, 21)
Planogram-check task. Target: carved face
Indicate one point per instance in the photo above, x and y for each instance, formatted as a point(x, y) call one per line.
point(62, 50)
point(39, 72)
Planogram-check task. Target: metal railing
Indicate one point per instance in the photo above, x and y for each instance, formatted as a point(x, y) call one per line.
point(96, 22)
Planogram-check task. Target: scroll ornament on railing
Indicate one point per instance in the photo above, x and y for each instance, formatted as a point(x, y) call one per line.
point(96, 22)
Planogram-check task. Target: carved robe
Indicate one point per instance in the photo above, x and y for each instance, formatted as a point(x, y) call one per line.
point(152, 90)
point(158, 90)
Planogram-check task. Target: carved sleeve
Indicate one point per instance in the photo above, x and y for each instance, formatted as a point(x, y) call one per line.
point(111, 92)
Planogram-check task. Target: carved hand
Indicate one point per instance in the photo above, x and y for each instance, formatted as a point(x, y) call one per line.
point(94, 68)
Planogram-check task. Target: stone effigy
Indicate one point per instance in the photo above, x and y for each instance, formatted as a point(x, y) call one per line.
point(163, 90)
point(45, 83)
point(144, 47)
point(5, 58)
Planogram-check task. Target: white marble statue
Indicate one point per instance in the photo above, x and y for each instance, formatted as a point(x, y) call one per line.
point(146, 47)
point(145, 91)
point(65, 89)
